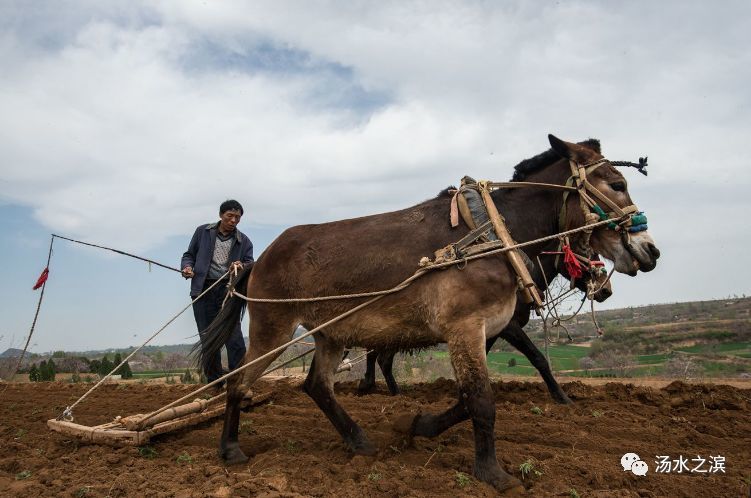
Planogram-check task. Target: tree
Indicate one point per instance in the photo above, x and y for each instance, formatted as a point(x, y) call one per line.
point(51, 370)
point(169, 364)
point(619, 362)
point(126, 372)
point(106, 366)
point(512, 362)
point(43, 371)
point(682, 367)
point(95, 366)
point(118, 359)
point(58, 354)
point(187, 377)
point(586, 363)
point(34, 373)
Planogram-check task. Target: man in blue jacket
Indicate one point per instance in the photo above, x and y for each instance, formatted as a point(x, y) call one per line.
point(215, 249)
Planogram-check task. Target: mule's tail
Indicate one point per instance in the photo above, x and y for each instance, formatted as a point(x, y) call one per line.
point(219, 331)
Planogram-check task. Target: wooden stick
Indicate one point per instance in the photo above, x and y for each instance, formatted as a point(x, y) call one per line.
point(529, 288)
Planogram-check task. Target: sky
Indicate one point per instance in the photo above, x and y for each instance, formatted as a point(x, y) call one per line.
point(126, 124)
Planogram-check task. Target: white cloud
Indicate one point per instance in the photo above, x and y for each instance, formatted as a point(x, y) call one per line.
point(147, 116)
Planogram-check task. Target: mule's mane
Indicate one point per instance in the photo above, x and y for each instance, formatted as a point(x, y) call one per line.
point(544, 159)
point(447, 192)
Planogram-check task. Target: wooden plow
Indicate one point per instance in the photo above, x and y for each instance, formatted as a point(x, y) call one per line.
point(137, 430)
point(134, 430)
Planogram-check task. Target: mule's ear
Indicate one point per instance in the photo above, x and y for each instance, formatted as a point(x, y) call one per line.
point(560, 146)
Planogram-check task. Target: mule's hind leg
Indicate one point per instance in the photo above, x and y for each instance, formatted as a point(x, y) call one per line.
point(265, 335)
point(320, 386)
point(367, 383)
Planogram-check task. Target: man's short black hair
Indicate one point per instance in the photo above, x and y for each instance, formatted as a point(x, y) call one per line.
point(230, 205)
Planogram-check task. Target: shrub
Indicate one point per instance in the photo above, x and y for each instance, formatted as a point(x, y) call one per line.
point(34, 375)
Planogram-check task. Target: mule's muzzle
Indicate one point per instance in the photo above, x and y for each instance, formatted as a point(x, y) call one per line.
point(647, 257)
point(602, 294)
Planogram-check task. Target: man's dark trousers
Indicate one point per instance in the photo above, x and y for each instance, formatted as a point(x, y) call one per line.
point(205, 310)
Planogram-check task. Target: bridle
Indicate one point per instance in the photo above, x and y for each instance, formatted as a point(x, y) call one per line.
point(628, 218)
point(625, 220)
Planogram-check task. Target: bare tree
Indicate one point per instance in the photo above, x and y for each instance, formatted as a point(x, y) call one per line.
point(586, 363)
point(619, 362)
point(682, 367)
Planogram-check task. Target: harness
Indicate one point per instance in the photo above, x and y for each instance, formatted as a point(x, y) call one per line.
point(488, 229)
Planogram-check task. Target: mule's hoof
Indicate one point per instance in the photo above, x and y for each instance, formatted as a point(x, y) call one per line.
point(365, 387)
point(233, 455)
point(505, 484)
point(561, 398)
point(406, 424)
point(364, 448)
point(514, 492)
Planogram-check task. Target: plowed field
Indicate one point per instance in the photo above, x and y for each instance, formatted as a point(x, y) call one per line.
point(566, 451)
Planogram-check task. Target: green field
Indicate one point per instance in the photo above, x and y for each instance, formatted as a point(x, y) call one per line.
point(713, 360)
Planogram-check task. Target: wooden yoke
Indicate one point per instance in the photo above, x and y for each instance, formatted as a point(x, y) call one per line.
point(524, 279)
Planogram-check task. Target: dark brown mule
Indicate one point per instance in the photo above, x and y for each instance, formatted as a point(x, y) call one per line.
point(460, 307)
point(513, 333)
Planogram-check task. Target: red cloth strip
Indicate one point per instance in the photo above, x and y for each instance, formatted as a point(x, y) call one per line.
point(42, 279)
point(573, 267)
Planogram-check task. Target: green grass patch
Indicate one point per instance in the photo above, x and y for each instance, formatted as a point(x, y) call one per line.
point(725, 348)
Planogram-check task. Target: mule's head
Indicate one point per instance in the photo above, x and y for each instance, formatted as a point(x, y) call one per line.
point(626, 241)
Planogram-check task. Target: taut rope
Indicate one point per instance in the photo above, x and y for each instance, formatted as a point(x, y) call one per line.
point(68, 412)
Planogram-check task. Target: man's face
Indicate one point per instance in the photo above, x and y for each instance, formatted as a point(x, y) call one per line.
point(228, 220)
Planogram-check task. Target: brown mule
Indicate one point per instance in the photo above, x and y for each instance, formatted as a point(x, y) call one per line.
point(460, 307)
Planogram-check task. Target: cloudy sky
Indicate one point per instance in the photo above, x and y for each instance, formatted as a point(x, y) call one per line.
point(127, 123)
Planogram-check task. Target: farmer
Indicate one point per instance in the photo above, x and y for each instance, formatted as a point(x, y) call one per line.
point(215, 249)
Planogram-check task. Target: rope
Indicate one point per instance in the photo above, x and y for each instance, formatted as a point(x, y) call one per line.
point(284, 346)
point(36, 315)
point(321, 298)
point(347, 364)
point(118, 252)
point(273, 369)
point(421, 272)
point(68, 412)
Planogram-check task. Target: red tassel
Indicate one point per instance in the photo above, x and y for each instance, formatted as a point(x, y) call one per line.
point(42, 279)
point(573, 267)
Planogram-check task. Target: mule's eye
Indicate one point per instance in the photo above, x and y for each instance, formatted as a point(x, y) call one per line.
point(618, 186)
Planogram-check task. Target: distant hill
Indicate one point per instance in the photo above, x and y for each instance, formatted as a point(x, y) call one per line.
point(692, 326)
point(11, 353)
point(660, 327)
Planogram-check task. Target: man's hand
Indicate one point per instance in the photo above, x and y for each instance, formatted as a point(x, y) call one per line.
point(235, 267)
point(188, 272)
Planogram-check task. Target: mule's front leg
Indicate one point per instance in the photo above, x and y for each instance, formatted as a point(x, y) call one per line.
point(467, 350)
point(516, 336)
point(386, 362)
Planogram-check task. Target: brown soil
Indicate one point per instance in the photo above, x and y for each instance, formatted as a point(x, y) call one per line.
point(295, 451)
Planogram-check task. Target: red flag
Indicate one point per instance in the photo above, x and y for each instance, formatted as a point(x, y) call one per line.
point(42, 279)
point(573, 267)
